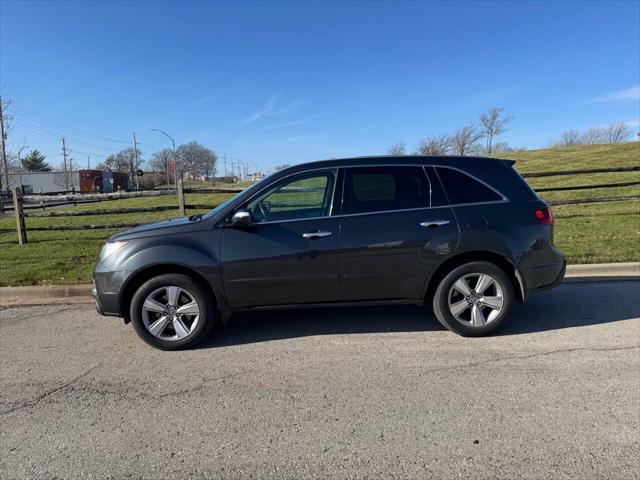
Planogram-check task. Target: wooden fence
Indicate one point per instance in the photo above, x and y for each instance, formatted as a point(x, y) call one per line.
point(18, 208)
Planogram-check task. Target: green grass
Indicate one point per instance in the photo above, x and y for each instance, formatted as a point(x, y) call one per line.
point(590, 233)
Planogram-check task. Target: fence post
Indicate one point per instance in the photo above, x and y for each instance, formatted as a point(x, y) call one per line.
point(17, 208)
point(181, 198)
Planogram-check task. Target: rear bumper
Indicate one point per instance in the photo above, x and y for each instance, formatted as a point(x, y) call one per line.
point(544, 277)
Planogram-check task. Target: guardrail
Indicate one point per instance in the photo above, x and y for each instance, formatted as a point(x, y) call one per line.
point(18, 206)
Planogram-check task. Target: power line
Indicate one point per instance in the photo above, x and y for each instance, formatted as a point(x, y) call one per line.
point(22, 93)
point(30, 127)
point(62, 125)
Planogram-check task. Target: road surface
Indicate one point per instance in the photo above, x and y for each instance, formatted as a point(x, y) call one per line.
point(348, 393)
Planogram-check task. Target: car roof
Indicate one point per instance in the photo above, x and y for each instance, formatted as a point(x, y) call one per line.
point(445, 160)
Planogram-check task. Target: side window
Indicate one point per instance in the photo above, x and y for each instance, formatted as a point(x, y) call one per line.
point(299, 197)
point(377, 189)
point(461, 188)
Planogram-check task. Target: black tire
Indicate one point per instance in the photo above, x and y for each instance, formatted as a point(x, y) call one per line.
point(441, 299)
point(195, 289)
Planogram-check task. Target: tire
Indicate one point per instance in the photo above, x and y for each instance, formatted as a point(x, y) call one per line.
point(175, 328)
point(492, 302)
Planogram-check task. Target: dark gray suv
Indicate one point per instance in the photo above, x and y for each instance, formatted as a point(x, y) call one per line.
point(466, 235)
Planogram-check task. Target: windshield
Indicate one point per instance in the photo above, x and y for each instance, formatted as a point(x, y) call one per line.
point(224, 204)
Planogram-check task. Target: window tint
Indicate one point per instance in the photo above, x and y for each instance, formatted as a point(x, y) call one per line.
point(299, 197)
point(461, 188)
point(375, 189)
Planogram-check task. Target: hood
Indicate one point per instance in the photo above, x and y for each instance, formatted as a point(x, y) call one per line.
point(154, 228)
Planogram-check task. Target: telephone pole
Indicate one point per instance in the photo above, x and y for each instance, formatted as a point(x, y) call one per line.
point(135, 155)
point(224, 157)
point(4, 148)
point(64, 166)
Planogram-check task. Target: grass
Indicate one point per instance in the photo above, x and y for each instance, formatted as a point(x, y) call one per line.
point(590, 233)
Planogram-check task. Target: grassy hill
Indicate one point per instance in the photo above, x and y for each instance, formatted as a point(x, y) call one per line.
point(588, 233)
point(595, 232)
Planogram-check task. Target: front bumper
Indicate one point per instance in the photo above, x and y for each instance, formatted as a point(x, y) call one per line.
point(107, 286)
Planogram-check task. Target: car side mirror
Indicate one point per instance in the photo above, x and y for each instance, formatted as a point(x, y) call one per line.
point(242, 218)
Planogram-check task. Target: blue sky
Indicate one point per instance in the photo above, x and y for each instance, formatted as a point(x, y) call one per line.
point(279, 82)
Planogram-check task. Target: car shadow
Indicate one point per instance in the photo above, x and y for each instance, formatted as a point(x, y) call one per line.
point(568, 306)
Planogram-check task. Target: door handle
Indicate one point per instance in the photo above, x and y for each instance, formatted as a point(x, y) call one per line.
point(314, 235)
point(434, 223)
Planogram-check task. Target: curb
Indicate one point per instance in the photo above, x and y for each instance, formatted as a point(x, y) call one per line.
point(602, 272)
point(64, 294)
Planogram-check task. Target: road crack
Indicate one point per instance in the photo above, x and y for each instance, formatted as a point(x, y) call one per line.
point(533, 355)
point(44, 395)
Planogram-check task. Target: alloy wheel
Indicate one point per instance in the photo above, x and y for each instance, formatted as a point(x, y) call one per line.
point(475, 299)
point(170, 313)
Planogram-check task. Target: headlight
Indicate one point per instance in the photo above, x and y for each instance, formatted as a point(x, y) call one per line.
point(110, 248)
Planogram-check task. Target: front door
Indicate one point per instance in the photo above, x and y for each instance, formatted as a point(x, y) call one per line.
point(288, 255)
point(396, 227)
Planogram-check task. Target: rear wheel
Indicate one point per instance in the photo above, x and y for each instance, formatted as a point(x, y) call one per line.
point(172, 312)
point(474, 299)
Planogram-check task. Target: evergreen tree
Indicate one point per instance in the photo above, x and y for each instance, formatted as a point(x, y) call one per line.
point(34, 162)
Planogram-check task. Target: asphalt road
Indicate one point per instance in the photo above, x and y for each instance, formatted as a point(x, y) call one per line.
point(349, 393)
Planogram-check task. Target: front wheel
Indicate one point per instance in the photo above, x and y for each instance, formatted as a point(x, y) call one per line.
point(474, 299)
point(171, 312)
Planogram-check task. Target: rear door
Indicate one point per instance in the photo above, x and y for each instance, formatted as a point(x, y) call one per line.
point(396, 228)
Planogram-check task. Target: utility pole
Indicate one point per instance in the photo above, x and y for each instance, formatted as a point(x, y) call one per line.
point(224, 157)
point(135, 154)
point(4, 148)
point(73, 187)
point(64, 165)
point(88, 163)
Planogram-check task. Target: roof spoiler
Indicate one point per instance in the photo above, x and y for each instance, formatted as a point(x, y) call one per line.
point(511, 163)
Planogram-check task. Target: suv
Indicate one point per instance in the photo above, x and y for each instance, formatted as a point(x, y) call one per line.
point(466, 235)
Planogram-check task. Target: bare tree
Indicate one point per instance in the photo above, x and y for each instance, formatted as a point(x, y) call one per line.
point(434, 145)
point(494, 123)
point(196, 160)
point(12, 166)
point(616, 132)
point(593, 136)
point(464, 140)
point(502, 147)
point(160, 160)
point(123, 161)
point(397, 150)
point(569, 138)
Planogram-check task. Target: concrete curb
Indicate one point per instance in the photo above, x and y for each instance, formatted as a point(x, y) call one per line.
point(65, 294)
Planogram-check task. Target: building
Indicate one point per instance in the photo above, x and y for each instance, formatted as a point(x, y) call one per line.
point(82, 181)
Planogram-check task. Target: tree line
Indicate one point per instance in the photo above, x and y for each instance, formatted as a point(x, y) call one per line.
point(490, 125)
point(190, 160)
point(616, 132)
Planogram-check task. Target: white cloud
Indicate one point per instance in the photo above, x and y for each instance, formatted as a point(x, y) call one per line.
point(271, 108)
point(627, 94)
point(287, 124)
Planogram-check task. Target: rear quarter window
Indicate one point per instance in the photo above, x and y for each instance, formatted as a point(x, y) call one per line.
point(462, 188)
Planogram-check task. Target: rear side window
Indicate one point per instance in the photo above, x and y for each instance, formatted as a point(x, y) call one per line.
point(378, 189)
point(462, 188)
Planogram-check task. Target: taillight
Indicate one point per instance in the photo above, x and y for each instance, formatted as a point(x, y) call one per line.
point(544, 216)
